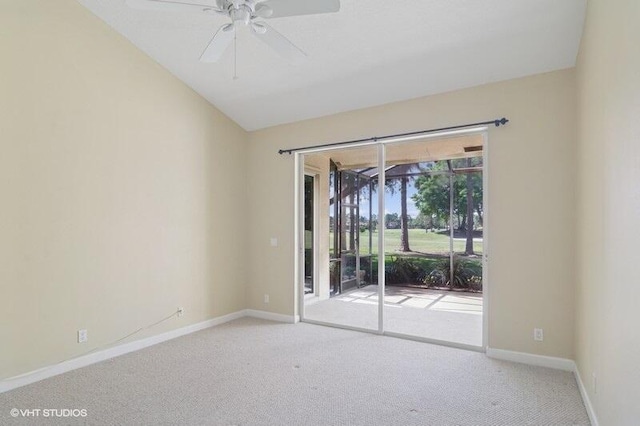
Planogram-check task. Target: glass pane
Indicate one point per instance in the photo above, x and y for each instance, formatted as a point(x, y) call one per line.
point(426, 225)
point(309, 217)
point(333, 176)
point(366, 224)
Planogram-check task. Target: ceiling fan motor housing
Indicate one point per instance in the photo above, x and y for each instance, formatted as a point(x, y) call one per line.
point(245, 10)
point(241, 14)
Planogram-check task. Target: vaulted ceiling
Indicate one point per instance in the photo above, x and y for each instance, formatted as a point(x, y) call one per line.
point(371, 52)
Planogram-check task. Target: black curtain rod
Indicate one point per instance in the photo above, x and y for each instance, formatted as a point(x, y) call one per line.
point(499, 122)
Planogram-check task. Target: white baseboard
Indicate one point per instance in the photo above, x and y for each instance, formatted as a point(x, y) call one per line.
point(92, 358)
point(270, 316)
point(531, 359)
point(585, 397)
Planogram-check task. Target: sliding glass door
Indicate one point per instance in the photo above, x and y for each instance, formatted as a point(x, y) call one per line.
point(433, 228)
point(400, 239)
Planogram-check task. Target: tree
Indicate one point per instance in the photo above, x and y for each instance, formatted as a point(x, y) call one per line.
point(404, 217)
point(421, 221)
point(392, 221)
point(400, 172)
point(469, 245)
point(432, 198)
point(374, 222)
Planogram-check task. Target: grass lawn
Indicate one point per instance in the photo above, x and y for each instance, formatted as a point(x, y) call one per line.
point(420, 241)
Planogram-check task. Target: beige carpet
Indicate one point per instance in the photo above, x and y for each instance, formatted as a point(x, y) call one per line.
point(253, 372)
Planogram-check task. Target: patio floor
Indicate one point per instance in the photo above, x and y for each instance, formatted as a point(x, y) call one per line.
point(435, 314)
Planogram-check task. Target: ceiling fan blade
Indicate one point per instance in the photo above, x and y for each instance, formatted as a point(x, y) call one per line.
point(173, 6)
point(278, 42)
point(263, 10)
point(218, 43)
point(282, 8)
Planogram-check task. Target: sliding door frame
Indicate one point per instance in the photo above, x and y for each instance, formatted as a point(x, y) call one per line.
point(299, 172)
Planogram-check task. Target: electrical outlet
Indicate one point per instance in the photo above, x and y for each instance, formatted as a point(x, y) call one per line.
point(180, 311)
point(274, 242)
point(538, 335)
point(82, 336)
point(266, 298)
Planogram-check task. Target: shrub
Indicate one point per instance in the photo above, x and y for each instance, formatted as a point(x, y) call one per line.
point(466, 274)
point(334, 274)
point(349, 271)
point(475, 283)
point(400, 270)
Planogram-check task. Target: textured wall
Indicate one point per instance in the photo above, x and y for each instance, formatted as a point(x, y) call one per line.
point(122, 193)
point(608, 340)
point(531, 192)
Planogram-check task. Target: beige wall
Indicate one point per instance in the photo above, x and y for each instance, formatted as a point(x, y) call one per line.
point(122, 192)
point(608, 267)
point(531, 191)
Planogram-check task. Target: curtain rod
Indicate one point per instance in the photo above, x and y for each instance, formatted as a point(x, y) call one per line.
point(498, 122)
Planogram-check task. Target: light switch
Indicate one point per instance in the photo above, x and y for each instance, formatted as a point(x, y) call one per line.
point(274, 242)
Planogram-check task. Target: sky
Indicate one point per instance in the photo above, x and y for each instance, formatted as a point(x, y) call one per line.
point(392, 202)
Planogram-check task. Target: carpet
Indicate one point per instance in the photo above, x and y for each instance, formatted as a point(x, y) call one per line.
point(255, 372)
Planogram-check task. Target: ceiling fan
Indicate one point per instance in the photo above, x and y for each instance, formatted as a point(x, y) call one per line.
point(245, 13)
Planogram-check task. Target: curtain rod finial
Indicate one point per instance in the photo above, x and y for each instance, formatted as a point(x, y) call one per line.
point(502, 122)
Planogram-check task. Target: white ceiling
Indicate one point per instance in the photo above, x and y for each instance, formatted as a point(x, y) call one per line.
point(370, 53)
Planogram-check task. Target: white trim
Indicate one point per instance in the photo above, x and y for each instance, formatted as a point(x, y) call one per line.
point(92, 358)
point(85, 360)
point(316, 234)
point(342, 326)
point(531, 359)
point(447, 343)
point(270, 316)
point(298, 235)
point(585, 397)
point(382, 255)
point(485, 240)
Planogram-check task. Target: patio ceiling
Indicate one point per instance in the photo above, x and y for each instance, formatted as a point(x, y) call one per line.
point(419, 151)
